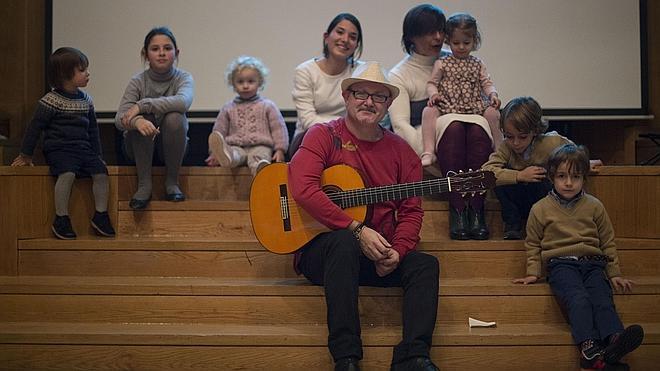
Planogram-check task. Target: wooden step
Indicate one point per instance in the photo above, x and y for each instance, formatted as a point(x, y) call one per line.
point(253, 264)
point(277, 335)
point(208, 347)
point(197, 183)
point(213, 286)
point(268, 358)
point(227, 219)
point(169, 244)
point(154, 300)
point(266, 310)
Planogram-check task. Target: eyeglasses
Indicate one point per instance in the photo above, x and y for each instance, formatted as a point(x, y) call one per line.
point(376, 98)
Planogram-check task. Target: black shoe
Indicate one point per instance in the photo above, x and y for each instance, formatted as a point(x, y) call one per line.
point(512, 232)
point(347, 364)
point(136, 204)
point(623, 343)
point(62, 228)
point(175, 197)
point(616, 367)
point(458, 224)
point(101, 223)
point(591, 355)
point(478, 230)
point(415, 364)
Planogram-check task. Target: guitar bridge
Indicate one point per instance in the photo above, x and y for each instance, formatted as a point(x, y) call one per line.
point(284, 208)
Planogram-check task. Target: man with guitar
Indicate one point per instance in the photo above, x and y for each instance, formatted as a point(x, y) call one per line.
point(378, 251)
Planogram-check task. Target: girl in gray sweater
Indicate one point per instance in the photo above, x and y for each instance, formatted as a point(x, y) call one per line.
point(155, 102)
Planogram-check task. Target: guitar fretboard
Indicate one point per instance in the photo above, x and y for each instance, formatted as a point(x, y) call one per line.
point(368, 196)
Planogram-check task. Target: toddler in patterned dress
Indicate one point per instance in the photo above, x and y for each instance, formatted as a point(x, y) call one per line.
point(459, 84)
point(249, 129)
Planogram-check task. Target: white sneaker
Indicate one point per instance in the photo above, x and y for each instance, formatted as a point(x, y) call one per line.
point(219, 149)
point(260, 165)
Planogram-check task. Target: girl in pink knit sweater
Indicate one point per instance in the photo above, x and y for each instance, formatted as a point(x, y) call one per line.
point(249, 129)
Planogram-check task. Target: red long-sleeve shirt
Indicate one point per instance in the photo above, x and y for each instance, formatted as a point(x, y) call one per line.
point(387, 161)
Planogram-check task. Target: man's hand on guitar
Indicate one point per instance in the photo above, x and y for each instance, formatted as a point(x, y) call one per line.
point(373, 245)
point(388, 264)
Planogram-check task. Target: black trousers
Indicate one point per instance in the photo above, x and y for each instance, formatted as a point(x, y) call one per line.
point(517, 199)
point(334, 260)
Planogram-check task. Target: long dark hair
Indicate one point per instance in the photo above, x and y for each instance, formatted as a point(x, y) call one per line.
point(353, 19)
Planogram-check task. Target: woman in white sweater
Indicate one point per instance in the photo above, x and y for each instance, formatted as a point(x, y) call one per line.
point(317, 82)
point(463, 141)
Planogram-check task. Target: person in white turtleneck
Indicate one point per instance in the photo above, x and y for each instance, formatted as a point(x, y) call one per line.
point(462, 143)
point(155, 102)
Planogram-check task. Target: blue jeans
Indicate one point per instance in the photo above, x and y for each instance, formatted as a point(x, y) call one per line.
point(584, 293)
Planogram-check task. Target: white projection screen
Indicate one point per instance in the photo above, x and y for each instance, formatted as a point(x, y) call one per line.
point(573, 55)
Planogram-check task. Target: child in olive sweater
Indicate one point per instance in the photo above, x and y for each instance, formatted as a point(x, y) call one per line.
point(570, 233)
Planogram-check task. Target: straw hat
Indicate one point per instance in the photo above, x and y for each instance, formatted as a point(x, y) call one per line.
point(371, 72)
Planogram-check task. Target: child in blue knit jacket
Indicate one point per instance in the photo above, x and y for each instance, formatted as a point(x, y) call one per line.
point(71, 143)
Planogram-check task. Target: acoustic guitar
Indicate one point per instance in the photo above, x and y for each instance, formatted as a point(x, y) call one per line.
point(282, 226)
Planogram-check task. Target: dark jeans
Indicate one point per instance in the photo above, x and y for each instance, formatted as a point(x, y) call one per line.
point(517, 199)
point(334, 260)
point(584, 293)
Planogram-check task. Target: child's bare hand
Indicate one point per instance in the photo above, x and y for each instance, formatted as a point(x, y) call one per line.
point(22, 160)
point(495, 101)
point(278, 156)
point(526, 280)
point(434, 100)
point(211, 161)
point(594, 165)
point(531, 174)
point(146, 128)
point(621, 284)
point(129, 115)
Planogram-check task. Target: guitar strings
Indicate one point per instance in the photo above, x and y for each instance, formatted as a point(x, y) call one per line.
point(350, 198)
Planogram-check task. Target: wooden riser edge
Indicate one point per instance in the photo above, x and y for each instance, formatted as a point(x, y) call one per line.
point(279, 287)
point(226, 244)
point(295, 310)
point(65, 357)
point(465, 263)
point(290, 335)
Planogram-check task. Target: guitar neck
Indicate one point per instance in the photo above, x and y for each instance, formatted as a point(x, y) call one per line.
point(368, 196)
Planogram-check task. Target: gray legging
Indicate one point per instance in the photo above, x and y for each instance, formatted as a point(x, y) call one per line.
point(172, 141)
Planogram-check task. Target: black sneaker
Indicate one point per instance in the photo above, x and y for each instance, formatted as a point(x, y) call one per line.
point(102, 225)
point(62, 228)
point(616, 367)
point(623, 343)
point(347, 364)
point(591, 355)
point(512, 232)
point(417, 364)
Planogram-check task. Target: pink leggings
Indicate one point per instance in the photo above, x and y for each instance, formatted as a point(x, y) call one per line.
point(463, 146)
